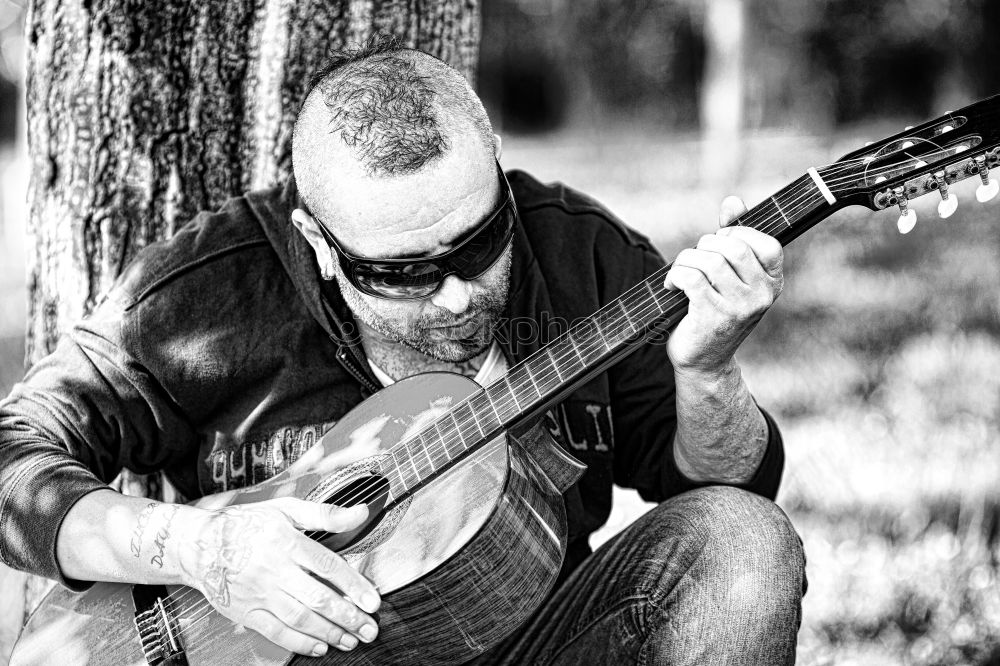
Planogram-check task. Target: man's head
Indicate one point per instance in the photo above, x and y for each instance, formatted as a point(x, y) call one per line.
point(394, 154)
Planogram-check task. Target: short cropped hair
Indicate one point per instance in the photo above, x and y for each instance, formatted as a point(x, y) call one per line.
point(394, 107)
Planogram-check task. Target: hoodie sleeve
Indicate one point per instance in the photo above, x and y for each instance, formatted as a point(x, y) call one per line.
point(79, 416)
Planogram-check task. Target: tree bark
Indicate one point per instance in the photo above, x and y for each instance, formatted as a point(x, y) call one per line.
point(142, 113)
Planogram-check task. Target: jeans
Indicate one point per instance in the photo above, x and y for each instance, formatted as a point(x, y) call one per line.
point(712, 576)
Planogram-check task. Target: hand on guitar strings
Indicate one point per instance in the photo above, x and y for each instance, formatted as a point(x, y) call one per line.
point(730, 278)
point(256, 567)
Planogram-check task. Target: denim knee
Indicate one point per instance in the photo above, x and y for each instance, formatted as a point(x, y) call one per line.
point(738, 596)
point(747, 543)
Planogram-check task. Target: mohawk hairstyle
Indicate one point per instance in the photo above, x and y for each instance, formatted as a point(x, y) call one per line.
point(388, 105)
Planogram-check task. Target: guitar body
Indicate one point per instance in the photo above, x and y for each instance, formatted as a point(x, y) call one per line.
point(460, 563)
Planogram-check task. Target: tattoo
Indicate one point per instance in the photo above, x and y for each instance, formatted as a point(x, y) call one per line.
point(229, 550)
point(141, 522)
point(161, 537)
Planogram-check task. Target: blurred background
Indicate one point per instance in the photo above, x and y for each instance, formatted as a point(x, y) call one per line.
point(880, 360)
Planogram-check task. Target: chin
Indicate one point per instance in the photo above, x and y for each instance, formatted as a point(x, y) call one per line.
point(456, 350)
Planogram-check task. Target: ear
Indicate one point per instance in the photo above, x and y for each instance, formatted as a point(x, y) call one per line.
point(308, 227)
point(498, 146)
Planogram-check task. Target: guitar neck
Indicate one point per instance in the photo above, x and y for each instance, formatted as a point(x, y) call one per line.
point(588, 348)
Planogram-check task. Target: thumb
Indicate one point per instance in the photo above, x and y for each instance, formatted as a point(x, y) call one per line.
point(731, 208)
point(307, 515)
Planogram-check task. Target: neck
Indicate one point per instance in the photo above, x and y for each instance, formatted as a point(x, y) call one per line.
point(399, 361)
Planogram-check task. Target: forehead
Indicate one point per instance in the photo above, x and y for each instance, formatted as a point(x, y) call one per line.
point(419, 213)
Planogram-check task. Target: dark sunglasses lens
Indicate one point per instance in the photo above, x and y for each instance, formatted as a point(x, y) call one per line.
point(480, 252)
point(411, 281)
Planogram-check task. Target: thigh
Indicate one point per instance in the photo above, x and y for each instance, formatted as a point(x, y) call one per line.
point(641, 597)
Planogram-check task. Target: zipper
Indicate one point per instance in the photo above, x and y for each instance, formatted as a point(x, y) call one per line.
point(345, 358)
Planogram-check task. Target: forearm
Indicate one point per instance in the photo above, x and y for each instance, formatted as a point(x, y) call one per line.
point(721, 435)
point(108, 536)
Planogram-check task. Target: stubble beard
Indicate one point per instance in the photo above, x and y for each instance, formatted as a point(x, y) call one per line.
point(423, 334)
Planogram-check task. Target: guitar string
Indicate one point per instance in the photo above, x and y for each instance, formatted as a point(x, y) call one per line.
point(799, 203)
point(178, 598)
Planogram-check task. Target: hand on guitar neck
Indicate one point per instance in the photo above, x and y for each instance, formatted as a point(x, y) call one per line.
point(251, 562)
point(730, 278)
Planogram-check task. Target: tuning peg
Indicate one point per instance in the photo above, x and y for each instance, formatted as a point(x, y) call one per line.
point(947, 207)
point(990, 187)
point(949, 202)
point(907, 220)
point(907, 217)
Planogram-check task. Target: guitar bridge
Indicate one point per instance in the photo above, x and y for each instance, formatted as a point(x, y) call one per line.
point(158, 630)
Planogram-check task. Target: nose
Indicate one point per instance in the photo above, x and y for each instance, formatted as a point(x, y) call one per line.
point(454, 295)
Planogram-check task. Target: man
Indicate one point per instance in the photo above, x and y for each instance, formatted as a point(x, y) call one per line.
point(221, 355)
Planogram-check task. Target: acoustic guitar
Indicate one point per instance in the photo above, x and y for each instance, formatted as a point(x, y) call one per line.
point(467, 527)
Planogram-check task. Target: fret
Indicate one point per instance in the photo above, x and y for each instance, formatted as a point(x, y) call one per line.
point(652, 293)
point(469, 416)
point(409, 456)
point(503, 401)
point(531, 378)
point(395, 467)
point(794, 201)
point(522, 386)
point(427, 453)
point(589, 349)
point(602, 335)
point(546, 374)
point(628, 319)
point(783, 216)
point(576, 350)
point(453, 431)
point(483, 414)
point(510, 390)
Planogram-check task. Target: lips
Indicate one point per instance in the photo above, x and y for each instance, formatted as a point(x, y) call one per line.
point(461, 329)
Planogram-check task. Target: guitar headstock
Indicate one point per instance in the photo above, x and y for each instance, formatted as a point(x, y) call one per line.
point(920, 160)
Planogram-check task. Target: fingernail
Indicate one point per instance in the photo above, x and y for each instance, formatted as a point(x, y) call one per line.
point(368, 632)
point(319, 650)
point(348, 642)
point(724, 231)
point(370, 602)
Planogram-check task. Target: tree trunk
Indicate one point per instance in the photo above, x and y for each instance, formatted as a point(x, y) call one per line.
point(140, 114)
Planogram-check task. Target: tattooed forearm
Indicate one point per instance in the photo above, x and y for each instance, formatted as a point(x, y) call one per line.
point(141, 522)
point(162, 535)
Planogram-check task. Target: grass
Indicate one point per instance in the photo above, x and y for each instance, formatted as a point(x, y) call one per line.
point(881, 363)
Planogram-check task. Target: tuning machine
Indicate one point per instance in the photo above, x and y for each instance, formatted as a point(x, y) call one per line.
point(990, 187)
point(949, 201)
point(907, 216)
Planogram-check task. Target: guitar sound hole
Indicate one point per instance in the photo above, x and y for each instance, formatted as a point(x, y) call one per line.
point(370, 490)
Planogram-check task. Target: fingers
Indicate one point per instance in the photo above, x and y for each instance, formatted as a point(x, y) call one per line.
point(692, 273)
point(768, 251)
point(726, 271)
point(279, 633)
point(330, 566)
point(335, 617)
point(731, 208)
point(306, 515)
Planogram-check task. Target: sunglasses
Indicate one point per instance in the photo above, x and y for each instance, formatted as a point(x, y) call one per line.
point(474, 253)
